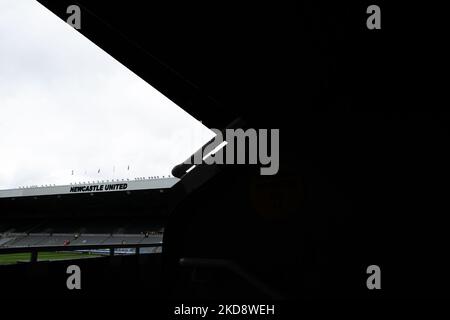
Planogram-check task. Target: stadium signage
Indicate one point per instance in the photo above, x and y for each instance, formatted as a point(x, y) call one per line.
point(99, 187)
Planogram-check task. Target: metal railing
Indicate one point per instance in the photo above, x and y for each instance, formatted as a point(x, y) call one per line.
point(234, 268)
point(34, 250)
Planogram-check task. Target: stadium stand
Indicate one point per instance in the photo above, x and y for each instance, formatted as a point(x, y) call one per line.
point(151, 250)
point(25, 226)
point(88, 239)
point(24, 240)
point(5, 228)
point(29, 240)
point(57, 232)
point(56, 240)
point(152, 239)
point(4, 241)
point(123, 239)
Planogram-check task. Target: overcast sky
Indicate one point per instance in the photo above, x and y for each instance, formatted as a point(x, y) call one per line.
point(65, 105)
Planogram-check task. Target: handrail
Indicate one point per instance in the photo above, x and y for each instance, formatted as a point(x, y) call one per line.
point(233, 267)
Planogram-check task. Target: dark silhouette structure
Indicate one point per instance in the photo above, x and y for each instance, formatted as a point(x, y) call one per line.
point(361, 180)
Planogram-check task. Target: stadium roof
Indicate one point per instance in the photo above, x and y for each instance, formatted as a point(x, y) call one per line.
point(101, 186)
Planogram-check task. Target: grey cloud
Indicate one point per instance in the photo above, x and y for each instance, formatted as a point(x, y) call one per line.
point(65, 105)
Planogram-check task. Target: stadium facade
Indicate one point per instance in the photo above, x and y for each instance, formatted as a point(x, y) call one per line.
point(100, 186)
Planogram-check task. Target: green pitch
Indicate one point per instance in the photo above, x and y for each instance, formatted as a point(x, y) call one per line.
point(44, 256)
